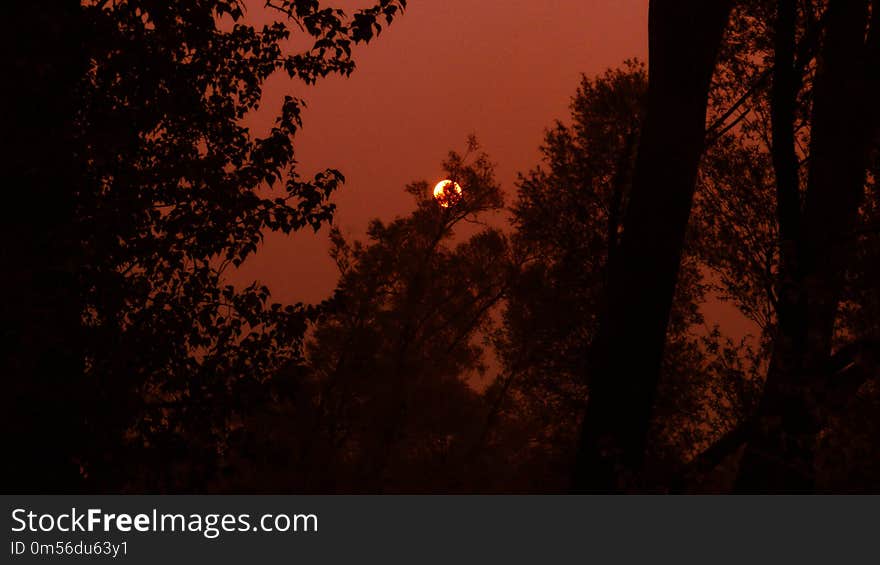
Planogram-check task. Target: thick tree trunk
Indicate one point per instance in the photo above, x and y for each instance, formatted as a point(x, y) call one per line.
point(42, 362)
point(815, 248)
point(684, 38)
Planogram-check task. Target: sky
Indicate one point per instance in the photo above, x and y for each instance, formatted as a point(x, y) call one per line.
point(503, 70)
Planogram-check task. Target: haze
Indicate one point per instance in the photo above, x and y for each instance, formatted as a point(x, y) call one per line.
point(501, 69)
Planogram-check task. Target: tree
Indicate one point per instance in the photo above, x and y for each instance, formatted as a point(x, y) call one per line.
point(40, 349)
point(766, 90)
point(684, 39)
point(152, 189)
point(385, 401)
point(817, 236)
point(567, 222)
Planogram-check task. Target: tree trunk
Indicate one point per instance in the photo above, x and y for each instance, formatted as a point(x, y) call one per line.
point(780, 454)
point(42, 360)
point(684, 38)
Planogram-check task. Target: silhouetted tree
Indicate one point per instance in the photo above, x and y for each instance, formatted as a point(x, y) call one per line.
point(817, 232)
point(128, 350)
point(567, 220)
point(386, 400)
point(765, 91)
point(684, 39)
point(42, 350)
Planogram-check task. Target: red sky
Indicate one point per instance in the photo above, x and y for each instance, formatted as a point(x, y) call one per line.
point(502, 69)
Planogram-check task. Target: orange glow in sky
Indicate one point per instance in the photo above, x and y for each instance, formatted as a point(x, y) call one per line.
point(447, 192)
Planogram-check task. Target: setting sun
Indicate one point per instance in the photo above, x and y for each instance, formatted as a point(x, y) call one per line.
point(447, 192)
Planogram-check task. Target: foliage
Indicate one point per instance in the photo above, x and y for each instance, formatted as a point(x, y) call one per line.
point(564, 216)
point(568, 220)
point(387, 401)
point(174, 189)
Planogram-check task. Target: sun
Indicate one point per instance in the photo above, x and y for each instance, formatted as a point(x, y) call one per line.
point(447, 193)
